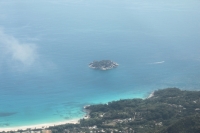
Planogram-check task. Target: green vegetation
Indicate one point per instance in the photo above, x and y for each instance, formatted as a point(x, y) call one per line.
point(103, 65)
point(168, 111)
point(190, 124)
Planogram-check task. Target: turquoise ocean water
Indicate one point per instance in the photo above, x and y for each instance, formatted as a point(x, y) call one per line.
point(46, 46)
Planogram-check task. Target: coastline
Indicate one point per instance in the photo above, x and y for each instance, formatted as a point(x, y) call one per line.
point(151, 95)
point(40, 126)
point(101, 65)
point(47, 125)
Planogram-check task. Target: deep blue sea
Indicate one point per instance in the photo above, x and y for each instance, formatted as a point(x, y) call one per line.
point(46, 46)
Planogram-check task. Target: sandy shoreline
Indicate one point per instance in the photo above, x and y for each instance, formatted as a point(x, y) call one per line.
point(151, 95)
point(39, 126)
point(46, 125)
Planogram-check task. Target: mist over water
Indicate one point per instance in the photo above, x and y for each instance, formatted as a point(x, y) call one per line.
point(46, 46)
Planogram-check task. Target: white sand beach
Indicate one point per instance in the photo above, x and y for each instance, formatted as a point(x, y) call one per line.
point(151, 95)
point(39, 126)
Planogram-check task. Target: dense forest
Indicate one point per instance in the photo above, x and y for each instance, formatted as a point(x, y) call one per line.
point(103, 65)
point(170, 110)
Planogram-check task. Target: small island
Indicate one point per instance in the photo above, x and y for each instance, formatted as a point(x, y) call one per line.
point(103, 65)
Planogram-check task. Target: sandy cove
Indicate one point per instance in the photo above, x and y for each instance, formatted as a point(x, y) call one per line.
point(151, 95)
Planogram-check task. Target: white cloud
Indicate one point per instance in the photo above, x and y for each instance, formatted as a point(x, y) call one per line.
point(15, 51)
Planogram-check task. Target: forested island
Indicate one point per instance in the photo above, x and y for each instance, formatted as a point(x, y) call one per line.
point(103, 65)
point(169, 110)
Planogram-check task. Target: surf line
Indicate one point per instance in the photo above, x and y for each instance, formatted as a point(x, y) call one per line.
point(159, 62)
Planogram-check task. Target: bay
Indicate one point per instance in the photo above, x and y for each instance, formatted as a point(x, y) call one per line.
point(46, 46)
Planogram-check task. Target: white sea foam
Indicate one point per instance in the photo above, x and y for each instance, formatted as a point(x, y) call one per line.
point(159, 62)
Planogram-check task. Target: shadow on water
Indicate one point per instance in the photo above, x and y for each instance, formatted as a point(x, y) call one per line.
point(5, 114)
